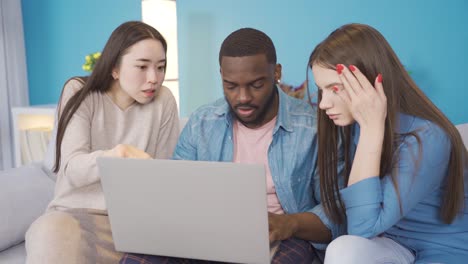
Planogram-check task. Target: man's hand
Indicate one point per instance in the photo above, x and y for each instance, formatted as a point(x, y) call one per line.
point(281, 226)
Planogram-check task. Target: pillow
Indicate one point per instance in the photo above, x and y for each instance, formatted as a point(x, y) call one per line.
point(25, 193)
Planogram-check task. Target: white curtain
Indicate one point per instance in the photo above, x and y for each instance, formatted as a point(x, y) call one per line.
point(13, 74)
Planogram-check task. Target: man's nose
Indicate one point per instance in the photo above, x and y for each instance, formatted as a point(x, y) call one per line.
point(244, 95)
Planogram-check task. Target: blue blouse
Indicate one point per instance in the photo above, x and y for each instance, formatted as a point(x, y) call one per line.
point(373, 207)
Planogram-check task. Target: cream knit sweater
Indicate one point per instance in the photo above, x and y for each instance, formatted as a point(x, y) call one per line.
point(99, 125)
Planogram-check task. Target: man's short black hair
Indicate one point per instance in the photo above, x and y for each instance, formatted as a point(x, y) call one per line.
point(248, 42)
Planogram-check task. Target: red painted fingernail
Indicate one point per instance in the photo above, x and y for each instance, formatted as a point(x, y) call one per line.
point(335, 88)
point(379, 78)
point(339, 68)
point(352, 67)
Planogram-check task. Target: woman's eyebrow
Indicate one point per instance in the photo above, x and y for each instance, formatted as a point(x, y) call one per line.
point(147, 60)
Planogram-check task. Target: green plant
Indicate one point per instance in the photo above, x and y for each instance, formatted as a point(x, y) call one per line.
point(90, 61)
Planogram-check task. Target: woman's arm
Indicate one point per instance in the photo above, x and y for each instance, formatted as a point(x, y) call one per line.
point(373, 205)
point(78, 162)
point(368, 106)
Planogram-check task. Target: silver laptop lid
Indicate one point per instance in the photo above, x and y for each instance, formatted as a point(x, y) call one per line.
point(188, 209)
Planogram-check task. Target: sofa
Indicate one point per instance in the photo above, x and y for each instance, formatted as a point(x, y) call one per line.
point(25, 193)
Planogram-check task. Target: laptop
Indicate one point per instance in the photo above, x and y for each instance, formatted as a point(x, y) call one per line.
point(187, 209)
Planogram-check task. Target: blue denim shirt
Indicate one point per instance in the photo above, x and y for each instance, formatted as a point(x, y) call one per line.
point(292, 154)
point(373, 205)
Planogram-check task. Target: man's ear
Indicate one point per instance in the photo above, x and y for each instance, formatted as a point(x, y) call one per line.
point(278, 69)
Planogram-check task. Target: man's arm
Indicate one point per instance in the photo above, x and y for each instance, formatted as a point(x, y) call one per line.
point(306, 226)
point(313, 225)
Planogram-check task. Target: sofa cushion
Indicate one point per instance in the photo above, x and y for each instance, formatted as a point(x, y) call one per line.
point(14, 255)
point(24, 195)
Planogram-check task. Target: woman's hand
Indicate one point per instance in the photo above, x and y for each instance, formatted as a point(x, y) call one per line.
point(367, 104)
point(127, 151)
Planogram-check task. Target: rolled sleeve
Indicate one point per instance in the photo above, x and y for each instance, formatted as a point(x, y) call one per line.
point(363, 201)
point(365, 192)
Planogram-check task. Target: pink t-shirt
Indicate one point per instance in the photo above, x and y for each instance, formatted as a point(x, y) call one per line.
point(251, 146)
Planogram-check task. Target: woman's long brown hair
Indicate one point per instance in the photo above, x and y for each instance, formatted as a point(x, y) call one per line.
point(100, 80)
point(365, 47)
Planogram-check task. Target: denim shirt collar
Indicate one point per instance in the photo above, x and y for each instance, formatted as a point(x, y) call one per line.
point(283, 120)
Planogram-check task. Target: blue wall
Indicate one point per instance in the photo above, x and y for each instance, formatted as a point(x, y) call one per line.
point(59, 34)
point(429, 37)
